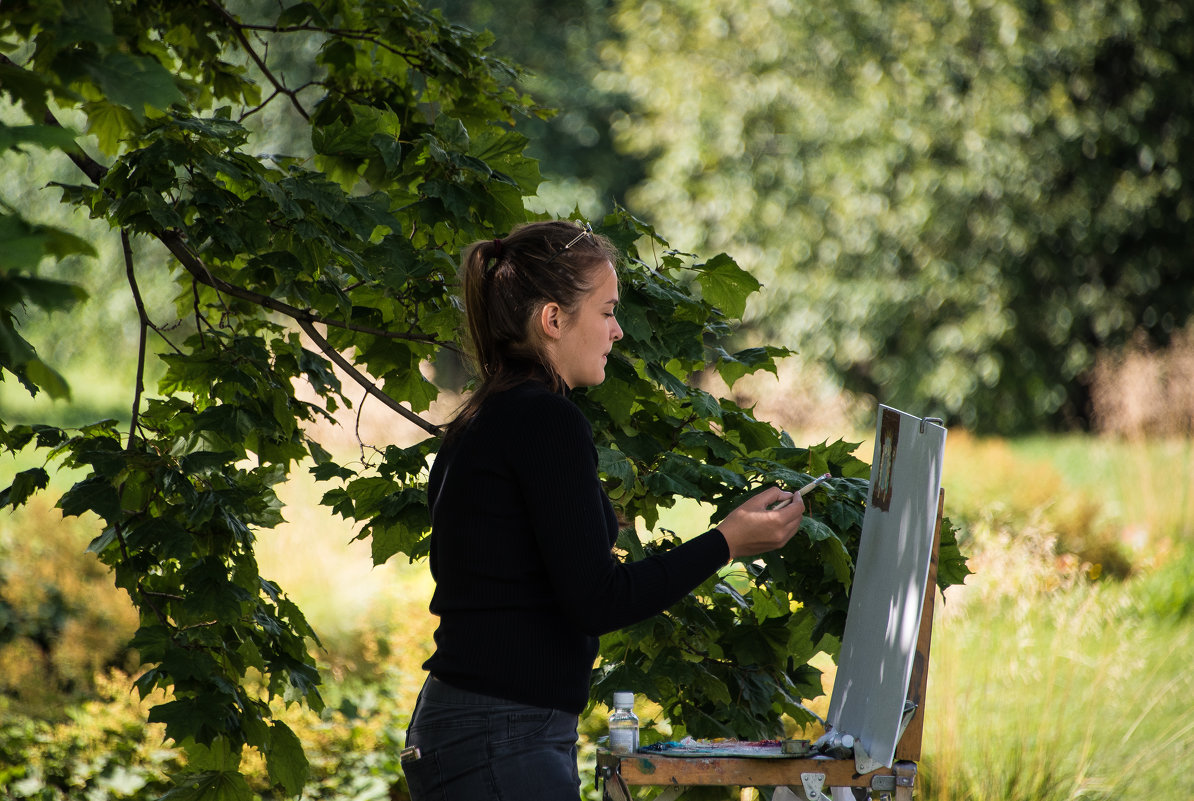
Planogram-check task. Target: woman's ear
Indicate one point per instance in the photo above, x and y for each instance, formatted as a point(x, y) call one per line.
point(551, 320)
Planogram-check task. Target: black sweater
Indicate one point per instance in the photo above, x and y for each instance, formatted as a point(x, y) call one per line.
point(520, 552)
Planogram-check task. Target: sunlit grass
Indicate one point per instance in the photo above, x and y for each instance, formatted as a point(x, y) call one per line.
point(1059, 695)
point(1146, 486)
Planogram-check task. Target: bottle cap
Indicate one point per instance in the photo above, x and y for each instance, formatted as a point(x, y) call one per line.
point(623, 699)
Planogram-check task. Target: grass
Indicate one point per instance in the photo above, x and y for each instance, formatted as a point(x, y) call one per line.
point(1058, 695)
point(1044, 683)
point(1146, 486)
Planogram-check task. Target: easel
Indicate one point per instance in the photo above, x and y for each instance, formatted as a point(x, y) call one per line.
point(813, 776)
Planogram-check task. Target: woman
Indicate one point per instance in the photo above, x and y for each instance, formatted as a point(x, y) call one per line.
point(522, 530)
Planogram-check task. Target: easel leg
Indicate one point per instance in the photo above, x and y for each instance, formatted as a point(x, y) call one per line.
point(613, 788)
point(905, 773)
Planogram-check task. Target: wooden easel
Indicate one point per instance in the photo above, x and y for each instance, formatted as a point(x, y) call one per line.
point(619, 773)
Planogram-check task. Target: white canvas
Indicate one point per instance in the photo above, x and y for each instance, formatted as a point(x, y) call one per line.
point(883, 621)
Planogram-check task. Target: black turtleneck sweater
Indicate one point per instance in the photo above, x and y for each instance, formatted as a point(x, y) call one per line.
point(520, 552)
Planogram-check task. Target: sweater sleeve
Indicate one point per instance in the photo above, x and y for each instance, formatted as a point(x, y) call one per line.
point(573, 525)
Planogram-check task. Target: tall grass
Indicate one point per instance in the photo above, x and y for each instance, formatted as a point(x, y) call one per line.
point(1059, 695)
point(1046, 684)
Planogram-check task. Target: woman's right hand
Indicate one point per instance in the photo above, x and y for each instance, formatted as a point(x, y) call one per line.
point(753, 528)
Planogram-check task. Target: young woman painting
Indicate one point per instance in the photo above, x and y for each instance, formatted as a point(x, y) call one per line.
point(522, 531)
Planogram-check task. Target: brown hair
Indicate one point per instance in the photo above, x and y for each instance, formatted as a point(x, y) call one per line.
point(506, 283)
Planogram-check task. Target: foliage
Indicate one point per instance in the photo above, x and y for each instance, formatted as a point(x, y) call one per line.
point(104, 751)
point(61, 620)
point(560, 56)
point(955, 206)
point(90, 740)
point(730, 660)
point(336, 254)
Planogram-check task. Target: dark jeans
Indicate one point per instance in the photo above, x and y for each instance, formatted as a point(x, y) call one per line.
point(477, 748)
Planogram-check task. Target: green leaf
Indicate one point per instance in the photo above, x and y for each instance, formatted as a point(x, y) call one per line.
point(95, 494)
point(451, 133)
point(676, 476)
point(838, 558)
point(615, 396)
point(713, 689)
point(726, 285)
point(25, 245)
point(952, 568)
point(731, 367)
point(285, 760)
point(110, 123)
point(45, 377)
point(86, 21)
point(764, 605)
point(134, 82)
point(388, 539)
point(815, 530)
point(301, 13)
point(218, 755)
point(615, 465)
point(210, 786)
point(667, 380)
point(412, 387)
point(24, 484)
point(48, 137)
point(201, 719)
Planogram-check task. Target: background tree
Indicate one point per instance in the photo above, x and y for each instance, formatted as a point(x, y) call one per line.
point(288, 256)
point(954, 206)
point(559, 49)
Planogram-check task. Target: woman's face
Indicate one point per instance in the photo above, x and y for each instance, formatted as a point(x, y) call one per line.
point(584, 338)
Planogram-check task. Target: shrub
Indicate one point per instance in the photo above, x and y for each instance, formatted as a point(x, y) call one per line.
point(62, 621)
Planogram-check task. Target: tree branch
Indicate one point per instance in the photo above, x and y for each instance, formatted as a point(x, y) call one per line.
point(175, 243)
point(238, 29)
point(370, 37)
point(361, 379)
point(143, 321)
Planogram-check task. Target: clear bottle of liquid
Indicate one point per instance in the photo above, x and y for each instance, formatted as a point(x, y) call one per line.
point(623, 725)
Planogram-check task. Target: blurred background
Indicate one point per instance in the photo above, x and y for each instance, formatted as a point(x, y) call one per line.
point(979, 211)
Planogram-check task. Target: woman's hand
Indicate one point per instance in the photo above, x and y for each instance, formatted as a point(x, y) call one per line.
point(753, 528)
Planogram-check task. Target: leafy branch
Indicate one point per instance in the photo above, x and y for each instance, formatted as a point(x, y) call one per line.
point(279, 87)
point(369, 386)
point(175, 243)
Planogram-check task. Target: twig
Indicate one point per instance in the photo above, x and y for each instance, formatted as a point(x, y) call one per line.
point(174, 242)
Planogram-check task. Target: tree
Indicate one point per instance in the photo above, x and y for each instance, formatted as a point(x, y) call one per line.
point(341, 253)
point(560, 56)
point(955, 206)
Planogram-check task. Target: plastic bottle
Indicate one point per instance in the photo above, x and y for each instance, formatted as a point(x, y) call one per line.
point(623, 725)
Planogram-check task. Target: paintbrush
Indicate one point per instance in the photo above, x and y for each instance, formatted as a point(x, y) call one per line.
point(805, 490)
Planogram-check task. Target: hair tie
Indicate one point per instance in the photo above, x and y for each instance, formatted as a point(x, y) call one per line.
point(497, 248)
